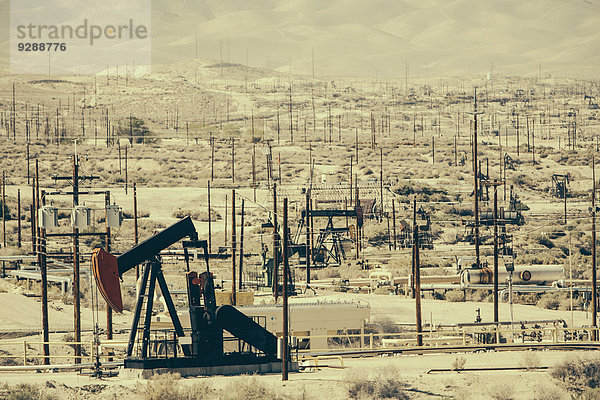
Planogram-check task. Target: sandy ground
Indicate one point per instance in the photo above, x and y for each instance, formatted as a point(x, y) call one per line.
point(332, 383)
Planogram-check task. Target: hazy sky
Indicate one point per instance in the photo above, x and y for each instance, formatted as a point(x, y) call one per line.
point(369, 37)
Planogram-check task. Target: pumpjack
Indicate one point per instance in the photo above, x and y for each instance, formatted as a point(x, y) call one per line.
point(202, 345)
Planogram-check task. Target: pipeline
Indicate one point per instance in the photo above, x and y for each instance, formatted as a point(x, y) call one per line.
point(463, 349)
point(484, 369)
point(17, 368)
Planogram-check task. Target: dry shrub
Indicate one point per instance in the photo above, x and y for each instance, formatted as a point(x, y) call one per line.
point(550, 301)
point(6, 360)
point(168, 387)
point(455, 296)
point(26, 391)
point(197, 214)
point(478, 296)
point(578, 373)
point(250, 388)
point(530, 360)
point(501, 391)
point(545, 392)
point(185, 213)
point(330, 272)
point(384, 384)
point(386, 325)
point(459, 363)
point(590, 394)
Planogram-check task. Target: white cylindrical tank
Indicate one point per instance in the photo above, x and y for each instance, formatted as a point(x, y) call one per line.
point(48, 217)
point(113, 216)
point(81, 217)
point(523, 275)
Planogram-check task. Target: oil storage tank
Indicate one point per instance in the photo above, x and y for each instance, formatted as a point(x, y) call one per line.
point(523, 275)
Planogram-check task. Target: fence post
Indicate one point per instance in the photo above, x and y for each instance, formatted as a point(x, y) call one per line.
point(92, 348)
point(497, 335)
point(371, 340)
point(362, 337)
point(24, 352)
point(464, 338)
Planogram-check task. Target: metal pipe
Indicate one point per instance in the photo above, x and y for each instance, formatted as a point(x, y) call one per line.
point(16, 368)
point(484, 369)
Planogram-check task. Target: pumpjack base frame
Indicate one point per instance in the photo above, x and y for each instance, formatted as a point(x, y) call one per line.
point(229, 364)
point(185, 362)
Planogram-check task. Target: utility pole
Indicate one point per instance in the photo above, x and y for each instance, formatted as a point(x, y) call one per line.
point(76, 300)
point(27, 149)
point(41, 254)
point(308, 244)
point(291, 117)
point(356, 144)
point(417, 274)
point(109, 316)
point(565, 197)
point(275, 245)
point(209, 219)
point(33, 217)
point(495, 185)
point(381, 182)
point(232, 160)
point(476, 181)
point(594, 277)
point(233, 247)
point(518, 150)
point(44, 283)
point(126, 169)
point(496, 251)
point(135, 223)
point(241, 283)
point(19, 218)
point(455, 153)
point(212, 158)
point(4, 209)
point(394, 221)
point(284, 370)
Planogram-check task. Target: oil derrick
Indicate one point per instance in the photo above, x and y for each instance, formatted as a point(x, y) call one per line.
point(592, 105)
point(509, 163)
point(514, 203)
point(425, 236)
point(560, 185)
point(328, 247)
point(264, 277)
